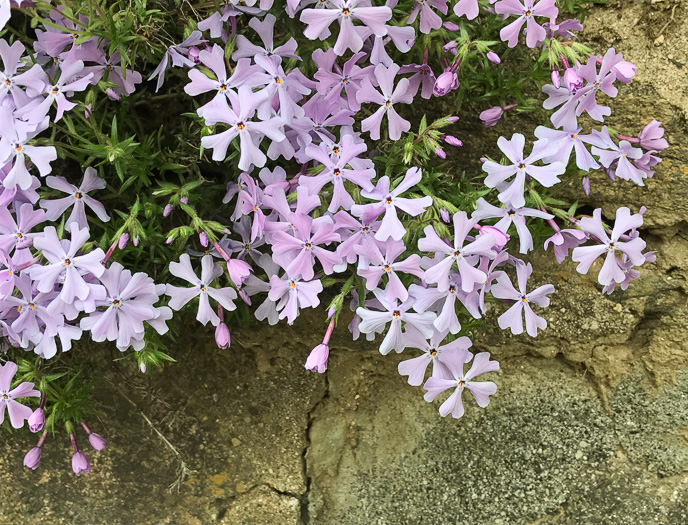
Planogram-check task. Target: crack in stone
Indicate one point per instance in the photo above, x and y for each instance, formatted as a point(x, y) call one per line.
point(305, 497)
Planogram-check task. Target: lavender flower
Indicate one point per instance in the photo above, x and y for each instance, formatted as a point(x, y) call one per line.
point(465, 257)
point(520, 166)
point(526, 12)
point(78, 197)
point(481, 390)
point(346, 11)
point(176, 56)
point(564, 240)
point(389, 201)
point(511, 215)
point(238, 117)
point(265, 30)
point(429, 20)
point(64, 261)
point(201, 288)
point(14, 135)
point(18, 412)
point(292, 293)
point(433, 352)
point(401, 94)
point(512, 318)
point(612, 270)
point(396, 314)
point(379, 265)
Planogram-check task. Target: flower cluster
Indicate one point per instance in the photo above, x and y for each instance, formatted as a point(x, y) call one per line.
point(328, 186)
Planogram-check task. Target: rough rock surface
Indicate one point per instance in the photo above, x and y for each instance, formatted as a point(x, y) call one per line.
point(589, 425)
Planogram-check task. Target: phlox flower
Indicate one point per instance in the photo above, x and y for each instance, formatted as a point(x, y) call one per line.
point(237, 117)
point(292, 293)
point(433, 352)
point(563, 143)
point(214, 60)
point(520, 167)
point(397, 316)
point(297, 253)
point(460, 381)
point(71, 80)
point(391, 95)
point(465, 257)
point(8, 398)
point(564, 240)
point(14, 135)
point(177, 56)
point(612, 270)
point(429, 20)
point(526, 12)
point(17, 234)
point(336, 172)
point(201, 288)
point(387, 264)
point(63, 261)
point(503, 289)
point(621, 156)
point(129, 302)
point(346, 11)
point(332, 78)
point(78, 197)
point(510, 215)
point(11, 83)
point(388, 202)
point(265, 29)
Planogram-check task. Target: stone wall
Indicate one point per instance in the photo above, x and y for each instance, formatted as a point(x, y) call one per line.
point(588, 425)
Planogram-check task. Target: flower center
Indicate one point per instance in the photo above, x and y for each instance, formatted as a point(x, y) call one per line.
point(20, 235)
point(203, 288)
point(5, 396)
point(611, 246)
point(388, 103)
point(77, 195)
point(388, 200)
point(387, 267)
point(292, 284)
point(337, 172)
point(67, 262)
point(241, 126)
point(278, 80)
point(18, 148)
point(452, 289)
point(528, 12)
point(335, 150)
point(308, 246)
point(462, 383)
point(247, 247)
point(524, 299)
point(521, 166)
point(115, 303)
point(55, 90)
point(346, 11)
point(8, 82)
point(433, 352)
point(223, 88)
point(396, 314)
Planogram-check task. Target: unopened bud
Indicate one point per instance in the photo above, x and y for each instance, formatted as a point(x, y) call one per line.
point(168, 209)
point(493, 57)
point(123, 241)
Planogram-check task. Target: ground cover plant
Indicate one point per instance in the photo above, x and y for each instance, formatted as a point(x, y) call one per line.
point(162, 161)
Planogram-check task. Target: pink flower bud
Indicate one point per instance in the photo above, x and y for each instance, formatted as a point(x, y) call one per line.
point(451, 26)
point(193, 54)
point(203, 237)
point(445, 83)
point(585, 183)
point(97, 441)
point(440, 153)
point(452, 119)
point(491, 116)
point(184, 200)
point(80, 463)
point(222, 336)
point(572, 79)
point(168, 209)
point(123, 241)
point(143, 368)
point(501, 238)
point(452, 141)
point(317, 359)
point(169, 240)
point(135, 240)
point(32, 459)
point(450, 47)
point(493, 57)
point(444, 215)
point(36, 420)
point(245, 297)
point(556, 78)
